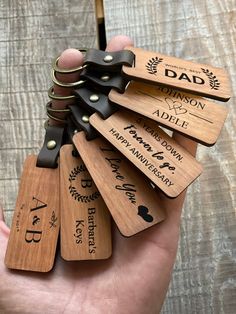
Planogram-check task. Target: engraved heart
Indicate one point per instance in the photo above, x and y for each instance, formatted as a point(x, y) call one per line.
point(143, 212)
point(176, 106)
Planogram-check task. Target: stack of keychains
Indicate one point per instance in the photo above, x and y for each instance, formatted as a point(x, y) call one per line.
point(110, 153)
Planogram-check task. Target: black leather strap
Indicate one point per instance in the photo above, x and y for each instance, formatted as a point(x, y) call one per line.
point(77, 118)
point(100, 59)
point(105, 81)
point(101, 106)
point(53, 140)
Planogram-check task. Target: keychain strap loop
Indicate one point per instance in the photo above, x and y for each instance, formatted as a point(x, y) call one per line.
point(109, 61)
point(94, 101)
point(53, 140)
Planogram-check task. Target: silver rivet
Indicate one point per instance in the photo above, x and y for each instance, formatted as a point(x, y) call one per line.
point(94, 98)
point(85, 119)
point(105, 78)
point(75, 131)
point(108, 58)
point(51, 144)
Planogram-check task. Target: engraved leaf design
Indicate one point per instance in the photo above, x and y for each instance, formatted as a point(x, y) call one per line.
point(152, 65)
point(213, 81)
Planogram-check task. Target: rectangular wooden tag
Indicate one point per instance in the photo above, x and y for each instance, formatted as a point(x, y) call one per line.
point(150, 149)
point(85, 219)
point(188, 114)
point(133, 203)
point(34, 231)
point(201, 79)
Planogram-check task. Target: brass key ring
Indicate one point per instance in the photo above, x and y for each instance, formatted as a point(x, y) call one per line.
point(50, 109)
point(52, 95)
point(67, 71)
point(61, 84)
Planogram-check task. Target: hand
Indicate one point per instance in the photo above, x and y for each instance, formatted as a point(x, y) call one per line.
point(133, 281)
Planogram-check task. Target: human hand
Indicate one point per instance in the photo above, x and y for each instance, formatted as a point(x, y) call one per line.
point(134, 280)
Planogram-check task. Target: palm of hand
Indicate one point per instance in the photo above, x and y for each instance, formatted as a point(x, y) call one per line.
point(134, 280)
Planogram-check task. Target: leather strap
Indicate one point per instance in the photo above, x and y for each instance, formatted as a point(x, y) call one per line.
point(77, 116)
point(109, 61)
point(102, 106)
point(47, 157)
point(105, 81)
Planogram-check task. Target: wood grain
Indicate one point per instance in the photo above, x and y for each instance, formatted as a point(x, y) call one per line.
point(32, 34)
point(204, 32)
point(35, 227)
point(128, 194)
point(85, 220)
point(188, 114)
point(202, 79)
point(150, 149)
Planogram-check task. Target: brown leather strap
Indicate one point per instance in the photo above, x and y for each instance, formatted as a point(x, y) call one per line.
point(109, 61)
point(77, 117)
point(105, 81)
point(47, 157)
point(87, 98)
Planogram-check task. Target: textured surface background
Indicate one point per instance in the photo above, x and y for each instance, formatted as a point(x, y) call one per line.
point(33, 32)
point(204, 279)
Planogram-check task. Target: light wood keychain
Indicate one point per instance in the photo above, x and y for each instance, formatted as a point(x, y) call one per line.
point(156, 68)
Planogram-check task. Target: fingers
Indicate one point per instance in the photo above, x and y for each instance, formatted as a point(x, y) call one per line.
point(119, 42)
point(3, 227)
point(70, 58)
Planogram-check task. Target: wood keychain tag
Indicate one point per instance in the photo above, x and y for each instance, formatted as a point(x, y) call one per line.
point(185, 113)
point(85, 219)
point(202, 79)
point(132, 201)
point(150, 149)
point(35, 226)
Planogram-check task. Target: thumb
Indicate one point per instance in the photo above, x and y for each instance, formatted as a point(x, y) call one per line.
point(3, 227)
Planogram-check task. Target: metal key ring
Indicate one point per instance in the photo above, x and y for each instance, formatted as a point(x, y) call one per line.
point(67, 71)
point(50, 109)
point(54, 96)
point(61, 84)
point(56, 119)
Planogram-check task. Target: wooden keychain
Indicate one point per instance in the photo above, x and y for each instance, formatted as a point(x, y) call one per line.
point(35, 226)
point(155, 68)
point(143, 142)
point(128, 194)
point(85, 219)
point(191, 115)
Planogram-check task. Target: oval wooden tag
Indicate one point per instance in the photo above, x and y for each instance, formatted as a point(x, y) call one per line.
point(35, 226)
point(150, 149)
point(85, 219)
point(191, 115)
point(202, 79)
point(133, 203)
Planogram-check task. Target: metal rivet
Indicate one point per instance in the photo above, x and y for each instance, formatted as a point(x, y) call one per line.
point(85, 119)
point(94, 98)
point(105, 78)
point(75, 131)
point(51, 144)
point(108, 58)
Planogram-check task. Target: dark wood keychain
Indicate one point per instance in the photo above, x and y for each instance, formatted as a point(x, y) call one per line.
point(36, 221)
point(188, 114)
point(85, 219)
